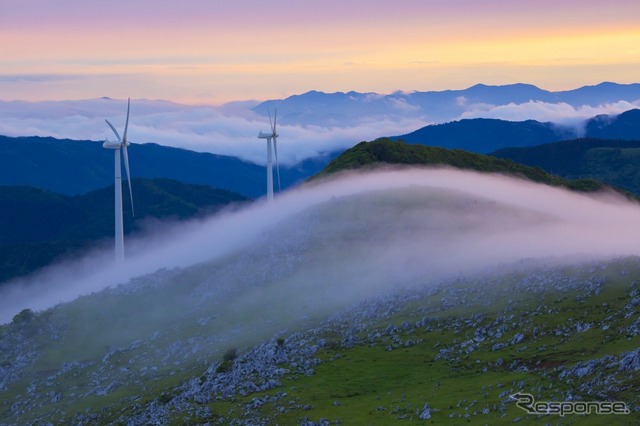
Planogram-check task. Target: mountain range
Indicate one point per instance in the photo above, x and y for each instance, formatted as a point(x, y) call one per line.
point(487, 135)
point(311, 124)
point(76, 167)
point(340, 109)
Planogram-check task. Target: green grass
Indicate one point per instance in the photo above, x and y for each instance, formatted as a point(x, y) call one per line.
point(377, 381)
point(373, 385)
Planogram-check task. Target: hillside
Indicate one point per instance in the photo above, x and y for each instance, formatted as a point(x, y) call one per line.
point(76, 167)
point(380, 299)
point(38, 226)
point(484, 135)
point(624, 126)
point(387, 151)
point(615, 162)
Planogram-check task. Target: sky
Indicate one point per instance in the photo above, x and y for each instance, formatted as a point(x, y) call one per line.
point(211, 51)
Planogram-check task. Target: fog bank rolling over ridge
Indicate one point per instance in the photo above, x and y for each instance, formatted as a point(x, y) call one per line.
point(357, 234)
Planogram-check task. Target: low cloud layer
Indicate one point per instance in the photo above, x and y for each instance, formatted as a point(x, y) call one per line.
point(561, 113)
point(232, 129)
point(362, 234)
point(228, 130)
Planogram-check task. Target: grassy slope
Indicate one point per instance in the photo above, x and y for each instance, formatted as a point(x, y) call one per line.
point(382, 380)
point(375, 382)
point(378, 378)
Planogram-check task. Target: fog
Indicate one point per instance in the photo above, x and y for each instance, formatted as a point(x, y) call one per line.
point(232, 129)
point(355, 235)
point(560, 113)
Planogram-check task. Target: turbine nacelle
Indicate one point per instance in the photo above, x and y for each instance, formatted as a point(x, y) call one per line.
point(107, 144)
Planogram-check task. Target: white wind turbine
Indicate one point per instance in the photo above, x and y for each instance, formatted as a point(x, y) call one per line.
point(121, 144)
point(269, 136)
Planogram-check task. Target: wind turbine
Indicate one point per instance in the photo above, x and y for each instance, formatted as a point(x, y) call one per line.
point(121, 144)
point(269, 136)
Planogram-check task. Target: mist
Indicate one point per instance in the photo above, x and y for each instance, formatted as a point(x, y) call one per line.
point(306, 131)
point(338, 241)
point(231, 129)
point(561, 113)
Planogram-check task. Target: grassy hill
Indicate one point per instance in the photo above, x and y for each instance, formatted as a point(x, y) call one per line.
point(387, 151)
point(39, 226)
point(616, 162)
point(455, 354)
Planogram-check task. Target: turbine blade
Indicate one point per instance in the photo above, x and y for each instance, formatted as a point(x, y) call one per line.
point(126, 167)
point(270, 122)
point(126, 124)
point(114, 130)
point(275, 147)
point(275, 118)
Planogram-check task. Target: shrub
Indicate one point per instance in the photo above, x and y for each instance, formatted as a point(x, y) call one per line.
point(165, 398)
point(227, 360)
point(25, 316)
point(230, 354)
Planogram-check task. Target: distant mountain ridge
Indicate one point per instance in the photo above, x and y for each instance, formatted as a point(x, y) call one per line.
point(625, 126)
point(319, 108)
point(484, 135)
point(77, 167)
point(487, 135)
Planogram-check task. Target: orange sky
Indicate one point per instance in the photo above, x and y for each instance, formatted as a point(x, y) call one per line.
point(206, 51)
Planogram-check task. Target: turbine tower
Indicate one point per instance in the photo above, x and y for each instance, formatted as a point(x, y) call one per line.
point(269, 136)
point(121, 144)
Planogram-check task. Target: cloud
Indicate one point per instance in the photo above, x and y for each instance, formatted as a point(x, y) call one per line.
point(39, 78)
point(559, 113)
point(228, 130)
point(403, 105)
point(305, 130)
point(358, 234)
